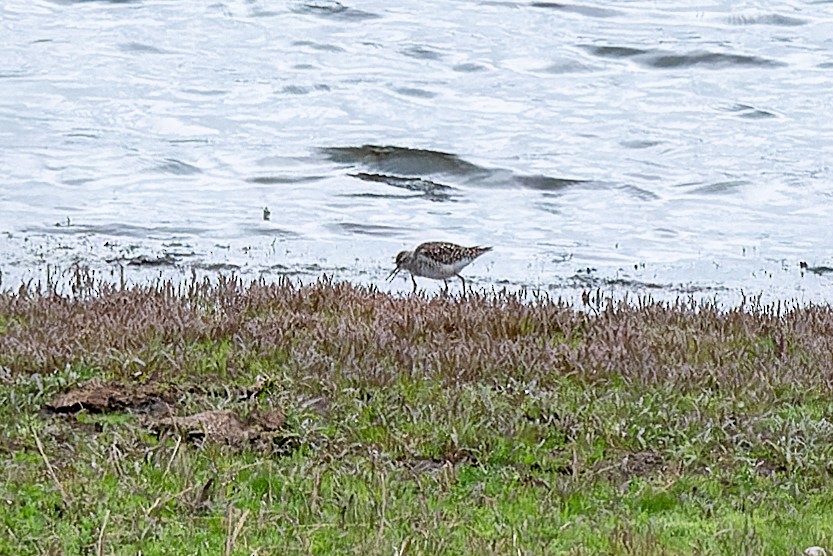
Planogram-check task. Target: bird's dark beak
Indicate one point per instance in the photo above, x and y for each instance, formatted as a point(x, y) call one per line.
point(394, 273)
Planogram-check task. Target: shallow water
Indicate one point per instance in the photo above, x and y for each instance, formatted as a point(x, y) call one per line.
point(639, 147)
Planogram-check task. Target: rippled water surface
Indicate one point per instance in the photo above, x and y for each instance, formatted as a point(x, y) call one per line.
point(667, 148)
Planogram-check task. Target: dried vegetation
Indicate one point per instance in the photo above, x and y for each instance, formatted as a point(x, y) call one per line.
point(378, 424)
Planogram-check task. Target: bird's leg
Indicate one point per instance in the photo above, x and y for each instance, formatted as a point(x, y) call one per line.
point(414, 281)
point(463, 280)
point(445, 291)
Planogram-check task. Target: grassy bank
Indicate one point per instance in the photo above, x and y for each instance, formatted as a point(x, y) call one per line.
point(332, 419)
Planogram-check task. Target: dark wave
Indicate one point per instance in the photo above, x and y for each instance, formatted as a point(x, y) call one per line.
point(259, 230)
point(404, 160)
point(711, 59)
point(411, 184)
point(469, 67)
point(589, 11)
point(766, 19)
point(640, 144)
point(367, 229)
point(415, 92)
point(665, 60)
point(321, 47)
point(718, 188)
point(334, 10)
point(750, 112)
point(430, 190)
point(173, 166)
point(546, 183)
point(301, 90)
point(142, 48)
point(422, 53)
point(406, 168)
point(270, 180)
point(614, 51)
point(567, 66)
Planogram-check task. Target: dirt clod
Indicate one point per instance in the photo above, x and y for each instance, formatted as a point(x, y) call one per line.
point(220, 425)
point(223, 426)
point(642, 463)
point(98, 396)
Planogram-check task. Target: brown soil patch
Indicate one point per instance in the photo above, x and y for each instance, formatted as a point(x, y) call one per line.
point(768, 469)
point(632, 464)
point(263, 429)
point(98, 396)
point(226, 427)
point(422, 466)
point(641, 464)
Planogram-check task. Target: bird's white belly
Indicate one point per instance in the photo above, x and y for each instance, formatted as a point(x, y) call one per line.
point(438, 271)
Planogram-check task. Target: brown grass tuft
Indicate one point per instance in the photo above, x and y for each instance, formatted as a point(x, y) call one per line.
point(336, 328)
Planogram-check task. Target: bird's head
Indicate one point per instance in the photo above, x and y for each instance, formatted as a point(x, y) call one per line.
point(403, 258)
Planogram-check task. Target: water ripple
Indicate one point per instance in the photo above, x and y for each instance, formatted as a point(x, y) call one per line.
point(750, 112)
point(334, 10)
point(141, 48)
point(709, 59)
point(271, 180)
point(666, 60)
point(589, 11)
point(430, 189)
point(766, 19)
point(400, 161)
point(357, 228)
point(422, 53)
point(177, 167)
point(403, 160)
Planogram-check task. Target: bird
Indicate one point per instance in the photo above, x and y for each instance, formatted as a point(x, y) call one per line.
point(438, 260)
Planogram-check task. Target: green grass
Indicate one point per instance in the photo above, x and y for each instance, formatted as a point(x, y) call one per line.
point(415, 426)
